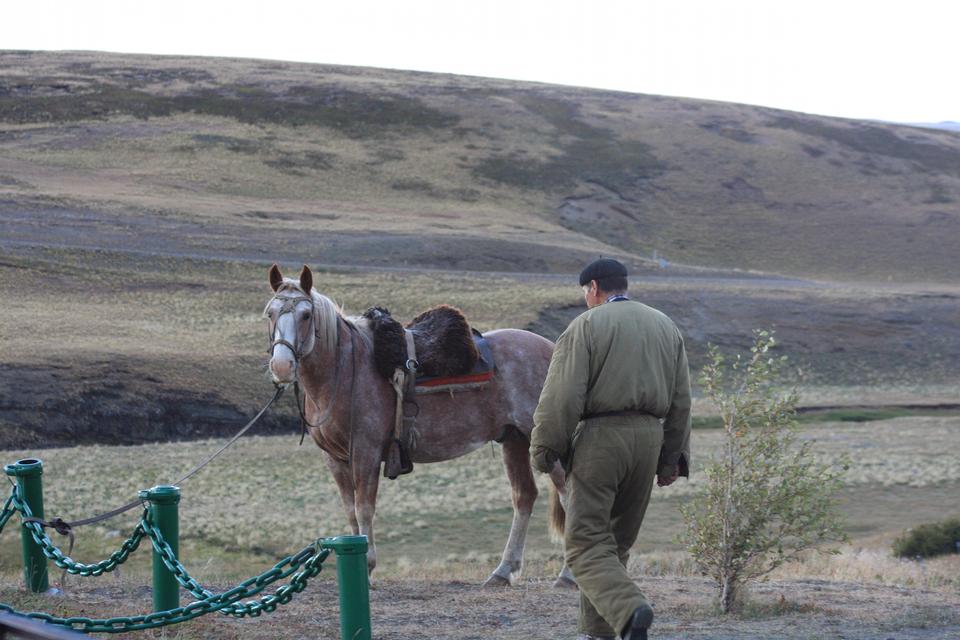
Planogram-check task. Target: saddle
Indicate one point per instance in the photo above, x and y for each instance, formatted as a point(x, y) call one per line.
point(442, 339)
point(447, 355)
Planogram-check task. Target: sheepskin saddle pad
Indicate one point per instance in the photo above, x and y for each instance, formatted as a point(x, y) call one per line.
point(442, 338)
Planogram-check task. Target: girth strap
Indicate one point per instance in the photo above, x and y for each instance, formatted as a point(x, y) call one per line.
point(404, 382)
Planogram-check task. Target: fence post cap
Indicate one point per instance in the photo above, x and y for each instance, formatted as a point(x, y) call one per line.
point(25, 468)
point(161, 494)
point(346, 545)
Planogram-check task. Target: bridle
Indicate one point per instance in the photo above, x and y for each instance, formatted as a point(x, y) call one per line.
point(289, 305)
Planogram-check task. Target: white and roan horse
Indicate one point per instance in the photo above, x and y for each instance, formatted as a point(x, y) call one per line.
point(351, 408)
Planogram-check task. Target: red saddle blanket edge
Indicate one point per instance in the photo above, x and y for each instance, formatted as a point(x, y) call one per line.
point(464, 379)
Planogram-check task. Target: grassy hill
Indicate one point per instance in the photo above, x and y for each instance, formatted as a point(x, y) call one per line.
point(377, 167)
point(142, 197)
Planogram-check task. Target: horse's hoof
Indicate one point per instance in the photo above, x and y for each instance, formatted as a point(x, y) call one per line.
point(496, 581)
point(564, 582)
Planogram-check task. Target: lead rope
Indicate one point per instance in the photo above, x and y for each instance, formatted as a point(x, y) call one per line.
point(66, 528)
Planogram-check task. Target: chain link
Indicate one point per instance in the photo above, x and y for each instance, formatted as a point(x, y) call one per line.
point(299, 567)
point(7, 512)
point(308, 557)
point(63, 561)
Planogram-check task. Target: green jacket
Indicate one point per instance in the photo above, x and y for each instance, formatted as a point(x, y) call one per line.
point(617, 356)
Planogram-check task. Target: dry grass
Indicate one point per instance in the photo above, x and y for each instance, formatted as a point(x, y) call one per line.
point(477, 172)
point(451, 515)
point(441, 530)
point(89, 302)
point(863, 565)
point(912, 452)
point(346, 150)
point(446, 607)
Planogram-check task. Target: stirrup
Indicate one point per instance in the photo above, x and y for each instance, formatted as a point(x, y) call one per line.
point(397, 462)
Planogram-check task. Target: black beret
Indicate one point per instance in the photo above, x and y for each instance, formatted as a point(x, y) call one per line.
point(602, 268)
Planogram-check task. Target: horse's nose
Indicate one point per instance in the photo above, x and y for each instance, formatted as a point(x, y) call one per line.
point(283, 369)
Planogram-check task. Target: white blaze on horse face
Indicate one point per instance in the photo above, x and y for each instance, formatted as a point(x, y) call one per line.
point(283, 363)
point(293, 337)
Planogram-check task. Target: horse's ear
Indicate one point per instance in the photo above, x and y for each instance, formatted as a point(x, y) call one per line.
point(306, 279)
point(276, 278)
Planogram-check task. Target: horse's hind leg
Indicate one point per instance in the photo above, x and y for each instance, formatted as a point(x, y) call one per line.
point(516, 457)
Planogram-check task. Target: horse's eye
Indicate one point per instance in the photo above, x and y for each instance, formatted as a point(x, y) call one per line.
point(305, 315)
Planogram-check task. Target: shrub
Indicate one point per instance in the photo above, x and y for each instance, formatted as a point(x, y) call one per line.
point(927, 540)
point(766, 498)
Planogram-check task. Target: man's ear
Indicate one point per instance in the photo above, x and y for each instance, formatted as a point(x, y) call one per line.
point(276, 278)
point(306, 279)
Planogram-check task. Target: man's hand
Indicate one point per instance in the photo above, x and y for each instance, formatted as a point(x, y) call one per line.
point(664, 480)
point(543, 458)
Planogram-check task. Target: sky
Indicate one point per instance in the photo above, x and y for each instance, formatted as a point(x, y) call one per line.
point(881, 59)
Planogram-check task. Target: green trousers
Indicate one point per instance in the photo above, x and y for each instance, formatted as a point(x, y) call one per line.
point(611, 475)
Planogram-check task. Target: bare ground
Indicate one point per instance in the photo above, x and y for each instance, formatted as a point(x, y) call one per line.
point(796, 609)
point(458, 610)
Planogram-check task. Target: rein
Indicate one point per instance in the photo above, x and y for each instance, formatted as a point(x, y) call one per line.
point(289, 305)
point(301, 407)
point(304, 423)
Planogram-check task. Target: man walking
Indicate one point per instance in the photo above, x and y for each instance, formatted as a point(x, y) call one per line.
point(615, 412)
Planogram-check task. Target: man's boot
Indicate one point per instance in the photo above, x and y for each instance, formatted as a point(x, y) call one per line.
point(640, 621)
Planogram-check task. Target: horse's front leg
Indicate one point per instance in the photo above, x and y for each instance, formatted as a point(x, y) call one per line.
point(367, 481)
point(341, 475)
point(516, 458)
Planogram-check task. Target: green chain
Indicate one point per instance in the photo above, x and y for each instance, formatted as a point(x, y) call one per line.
point(71, 566)
point(299, 567)
point(7, 512)
point(226, 600)
point(230, 599)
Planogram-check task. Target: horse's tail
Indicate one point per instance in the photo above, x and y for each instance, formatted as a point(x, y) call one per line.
point(558, 517)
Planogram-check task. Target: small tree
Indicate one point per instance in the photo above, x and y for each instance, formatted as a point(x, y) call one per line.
point(766, 498)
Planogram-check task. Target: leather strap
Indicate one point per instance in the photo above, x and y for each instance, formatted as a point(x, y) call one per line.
point(412, 364)
point(410, 407)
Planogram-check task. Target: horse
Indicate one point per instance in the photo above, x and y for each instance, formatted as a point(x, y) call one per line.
point(349, 409)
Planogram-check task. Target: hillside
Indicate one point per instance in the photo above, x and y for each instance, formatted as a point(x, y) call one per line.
point(143, 197)
point(195, 156)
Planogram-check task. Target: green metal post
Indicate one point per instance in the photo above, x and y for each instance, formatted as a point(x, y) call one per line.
point(28, 473)
point(354, 585)
point(164, 513)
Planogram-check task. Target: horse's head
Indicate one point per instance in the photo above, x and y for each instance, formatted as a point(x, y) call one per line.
point(292, 323)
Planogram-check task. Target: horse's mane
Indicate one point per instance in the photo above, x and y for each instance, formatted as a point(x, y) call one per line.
point(328, 312)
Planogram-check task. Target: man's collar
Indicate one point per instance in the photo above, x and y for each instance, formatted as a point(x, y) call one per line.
point(617, 297)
